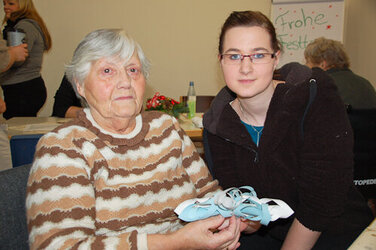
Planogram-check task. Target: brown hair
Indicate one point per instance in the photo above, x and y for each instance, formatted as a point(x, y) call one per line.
point(249, 19)
point(328, 50)
point(27, 10)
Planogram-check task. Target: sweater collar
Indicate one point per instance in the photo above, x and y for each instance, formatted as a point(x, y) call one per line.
point(133, 138)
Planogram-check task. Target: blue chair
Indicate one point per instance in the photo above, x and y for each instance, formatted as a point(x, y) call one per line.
point(22, 148)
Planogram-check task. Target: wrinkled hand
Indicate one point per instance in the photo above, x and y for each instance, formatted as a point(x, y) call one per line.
point(211, 234)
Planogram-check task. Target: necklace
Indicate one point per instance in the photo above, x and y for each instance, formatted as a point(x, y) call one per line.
point(258, 132)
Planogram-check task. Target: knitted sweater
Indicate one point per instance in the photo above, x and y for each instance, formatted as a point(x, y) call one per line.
point(90, 188)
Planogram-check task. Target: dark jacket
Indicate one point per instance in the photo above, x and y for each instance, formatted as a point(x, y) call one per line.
point(354, 89)
point(311, 171)
point(65, 98)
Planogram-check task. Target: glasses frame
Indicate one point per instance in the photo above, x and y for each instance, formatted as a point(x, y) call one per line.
point(242, 56)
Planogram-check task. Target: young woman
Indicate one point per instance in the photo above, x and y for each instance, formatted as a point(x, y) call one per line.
point(23, 87)
point(267, 136)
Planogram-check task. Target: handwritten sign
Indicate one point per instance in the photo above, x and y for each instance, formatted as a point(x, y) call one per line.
point(297, 24)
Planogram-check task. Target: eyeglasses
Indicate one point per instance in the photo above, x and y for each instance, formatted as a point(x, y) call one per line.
point(257, 58)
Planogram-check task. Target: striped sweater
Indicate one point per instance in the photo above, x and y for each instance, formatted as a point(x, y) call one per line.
point(91, 189)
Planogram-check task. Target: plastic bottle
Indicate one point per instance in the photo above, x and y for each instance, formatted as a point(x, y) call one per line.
point(191, 100)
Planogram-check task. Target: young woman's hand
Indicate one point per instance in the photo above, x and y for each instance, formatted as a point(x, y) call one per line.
point(3, 106)
point(248, 226)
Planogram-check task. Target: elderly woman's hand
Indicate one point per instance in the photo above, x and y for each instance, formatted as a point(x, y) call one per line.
point(211, 234)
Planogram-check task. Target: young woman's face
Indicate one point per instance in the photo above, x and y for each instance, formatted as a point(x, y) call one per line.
point(10, 6)
point(248, 79)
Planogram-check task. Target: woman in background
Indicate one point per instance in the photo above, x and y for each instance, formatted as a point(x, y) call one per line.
point(264, 135)
point(23, 87)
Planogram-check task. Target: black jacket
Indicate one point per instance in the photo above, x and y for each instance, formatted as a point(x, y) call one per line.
point(311, 171)
point(65, 98)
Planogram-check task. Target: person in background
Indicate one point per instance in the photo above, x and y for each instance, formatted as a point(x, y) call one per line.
point(66, 104)
point(23, 87)
point(330, 55)
point(265, 135)
point(120, 172)
point(8, 56)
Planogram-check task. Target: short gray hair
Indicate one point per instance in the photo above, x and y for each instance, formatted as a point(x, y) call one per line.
point(102, 43)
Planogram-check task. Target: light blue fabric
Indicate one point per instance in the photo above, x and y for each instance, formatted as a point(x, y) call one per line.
point(226, 203)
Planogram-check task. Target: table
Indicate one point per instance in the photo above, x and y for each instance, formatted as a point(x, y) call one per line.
point(193, 131)
point(367, 239)
point(42, 125)
point(33, 125)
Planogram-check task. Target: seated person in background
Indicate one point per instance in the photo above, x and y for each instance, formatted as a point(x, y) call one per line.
point(330, 55)
point(66, 104)
point(111, 178)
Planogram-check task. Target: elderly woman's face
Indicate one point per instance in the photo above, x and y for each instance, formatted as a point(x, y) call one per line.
point(114, 88)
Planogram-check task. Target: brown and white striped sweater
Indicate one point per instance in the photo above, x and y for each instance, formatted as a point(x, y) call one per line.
point(91, 189)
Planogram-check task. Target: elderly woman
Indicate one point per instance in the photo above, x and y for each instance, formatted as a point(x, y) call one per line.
point(112, 178)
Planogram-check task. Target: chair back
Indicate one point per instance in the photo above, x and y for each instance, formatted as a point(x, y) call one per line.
point(22, 148)
point(13, 225)
point(202, 102)
point(363, 123)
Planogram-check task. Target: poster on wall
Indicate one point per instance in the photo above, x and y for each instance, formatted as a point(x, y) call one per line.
point(298, 23)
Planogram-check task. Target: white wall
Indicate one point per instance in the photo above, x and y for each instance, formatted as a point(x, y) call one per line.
point(179, 37)
point(360, 37)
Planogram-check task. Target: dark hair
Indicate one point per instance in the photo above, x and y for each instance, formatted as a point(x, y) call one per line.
point(249, 19)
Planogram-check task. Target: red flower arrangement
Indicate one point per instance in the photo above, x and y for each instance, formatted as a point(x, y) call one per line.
point(165, 104)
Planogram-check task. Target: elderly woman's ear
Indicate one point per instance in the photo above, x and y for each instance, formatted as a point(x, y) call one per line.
point(80, 89)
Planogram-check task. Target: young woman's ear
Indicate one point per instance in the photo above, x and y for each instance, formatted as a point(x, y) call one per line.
point(277, 56)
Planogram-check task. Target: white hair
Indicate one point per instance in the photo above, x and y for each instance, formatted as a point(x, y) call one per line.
point(102, 43)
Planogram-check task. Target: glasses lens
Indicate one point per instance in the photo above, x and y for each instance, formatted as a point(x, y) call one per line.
point(232, 59)
point(261, 58)
point(258, 58)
